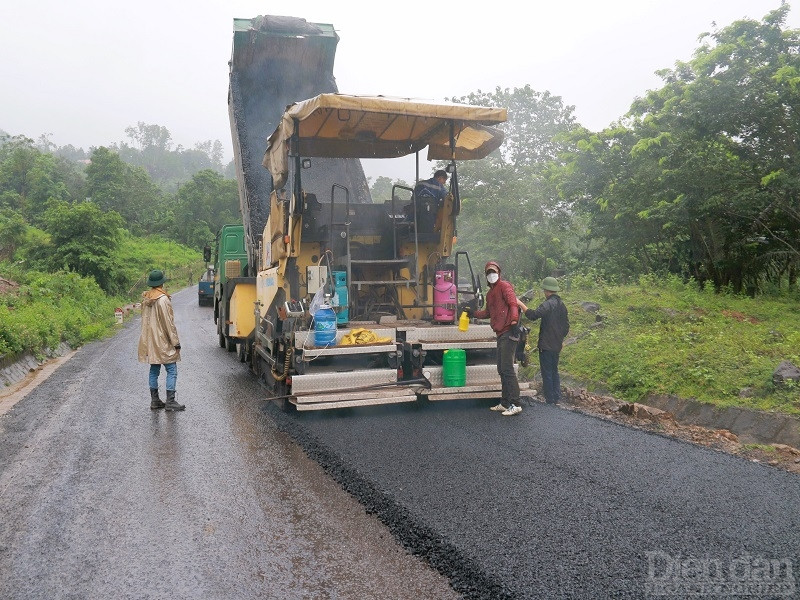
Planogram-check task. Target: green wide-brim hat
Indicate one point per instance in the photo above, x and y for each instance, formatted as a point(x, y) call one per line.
point(550, 284)
point(156, 278)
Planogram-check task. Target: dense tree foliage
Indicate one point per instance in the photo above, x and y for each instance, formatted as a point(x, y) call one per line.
point(511, 212)
point(61, 209)
point(83, 239)
point(202, 206)
point(115, 185)
point(30, 178)
point(702, 178)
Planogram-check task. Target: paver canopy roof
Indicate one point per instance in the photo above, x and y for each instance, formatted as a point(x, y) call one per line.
point(344, 126)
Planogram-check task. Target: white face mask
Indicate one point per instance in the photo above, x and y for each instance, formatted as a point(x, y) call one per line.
point(492, 278)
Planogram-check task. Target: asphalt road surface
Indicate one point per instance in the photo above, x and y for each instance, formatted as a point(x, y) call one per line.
point(102, 499)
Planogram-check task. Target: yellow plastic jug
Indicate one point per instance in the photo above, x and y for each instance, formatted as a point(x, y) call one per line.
point(463, 321)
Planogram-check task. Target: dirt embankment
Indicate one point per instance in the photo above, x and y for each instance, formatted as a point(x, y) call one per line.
point(660, 421)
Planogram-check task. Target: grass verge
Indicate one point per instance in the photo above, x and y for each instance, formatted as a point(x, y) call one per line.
point(662, 336)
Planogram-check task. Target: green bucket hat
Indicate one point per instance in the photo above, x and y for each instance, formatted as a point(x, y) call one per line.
point(550, 284)
point(156, 278)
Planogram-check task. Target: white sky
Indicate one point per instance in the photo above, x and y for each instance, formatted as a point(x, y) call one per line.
point(84, 70)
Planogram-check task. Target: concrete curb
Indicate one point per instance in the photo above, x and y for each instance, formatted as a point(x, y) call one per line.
point(14, 369)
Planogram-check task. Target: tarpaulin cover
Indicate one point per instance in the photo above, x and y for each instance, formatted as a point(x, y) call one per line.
point(345, 126)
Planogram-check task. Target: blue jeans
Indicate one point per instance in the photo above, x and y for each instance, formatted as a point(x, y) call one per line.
point(506, 351)
point(172, 376)
point(551, 382)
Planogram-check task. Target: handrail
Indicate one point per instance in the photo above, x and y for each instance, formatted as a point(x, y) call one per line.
point(348, 268)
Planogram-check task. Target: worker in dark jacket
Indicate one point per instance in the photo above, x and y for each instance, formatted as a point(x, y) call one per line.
point(429, 196)
point(503, 313)
point(553, 328)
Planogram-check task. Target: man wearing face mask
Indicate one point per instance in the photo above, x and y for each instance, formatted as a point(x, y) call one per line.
point(503, 313)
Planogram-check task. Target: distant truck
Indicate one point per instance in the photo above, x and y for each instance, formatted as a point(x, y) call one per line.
point(230, 269)
point(205, 287)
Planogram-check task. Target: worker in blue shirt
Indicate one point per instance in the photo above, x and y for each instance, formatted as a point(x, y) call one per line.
point(429, 196)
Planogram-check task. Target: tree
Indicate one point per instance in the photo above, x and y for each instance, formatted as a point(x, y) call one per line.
point(510, 191)
point(152, 149)
point(203, 205)
point(29, 178)
point(12, 233)
point(83, 240)
point(116, 186)
point(381, 188)
point(702, 178)
point(155, 137)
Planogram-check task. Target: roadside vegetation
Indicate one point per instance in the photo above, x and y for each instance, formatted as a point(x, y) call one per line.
point(39, 311)
point(661, 336)
point(80, 231)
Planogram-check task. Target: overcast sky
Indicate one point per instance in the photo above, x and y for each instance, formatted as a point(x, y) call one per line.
point(84, 70)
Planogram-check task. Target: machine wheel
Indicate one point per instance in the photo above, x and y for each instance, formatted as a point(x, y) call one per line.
point(221, 341)
point(241, 351)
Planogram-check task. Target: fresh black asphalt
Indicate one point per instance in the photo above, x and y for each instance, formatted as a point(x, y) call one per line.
point(557, 504)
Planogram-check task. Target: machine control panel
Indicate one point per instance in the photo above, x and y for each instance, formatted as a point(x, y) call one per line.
point(294, 308)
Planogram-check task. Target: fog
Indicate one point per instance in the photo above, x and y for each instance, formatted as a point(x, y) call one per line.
point(82, 71)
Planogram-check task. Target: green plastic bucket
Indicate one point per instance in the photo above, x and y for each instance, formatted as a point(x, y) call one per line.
point(454, 368)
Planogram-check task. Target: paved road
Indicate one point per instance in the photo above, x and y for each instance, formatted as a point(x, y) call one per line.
point(556, 504)
point(100, 498)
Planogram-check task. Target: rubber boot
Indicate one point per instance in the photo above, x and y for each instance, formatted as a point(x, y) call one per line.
point(155, 401)
point(171, 403)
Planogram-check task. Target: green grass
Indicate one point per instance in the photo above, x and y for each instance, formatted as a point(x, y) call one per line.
point(762, 447)
point(664, 337)
point(49, 308)
point(140, 255)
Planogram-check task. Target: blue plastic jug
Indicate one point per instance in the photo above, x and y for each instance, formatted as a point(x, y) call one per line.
point(325, 326)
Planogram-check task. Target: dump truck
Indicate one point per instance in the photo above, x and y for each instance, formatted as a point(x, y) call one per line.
point(205, 288)
point(231, 268)
point(353, 302)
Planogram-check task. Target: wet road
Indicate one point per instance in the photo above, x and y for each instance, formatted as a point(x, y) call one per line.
point(555, 504)
point(102, 498)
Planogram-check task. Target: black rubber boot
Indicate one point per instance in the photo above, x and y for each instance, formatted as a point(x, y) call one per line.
point(155, 401)
point(171, 403)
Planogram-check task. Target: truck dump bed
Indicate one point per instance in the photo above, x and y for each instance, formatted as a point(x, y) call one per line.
point(277, 61)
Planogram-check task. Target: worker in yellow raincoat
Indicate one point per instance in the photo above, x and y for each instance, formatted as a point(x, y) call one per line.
point(159, 343)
